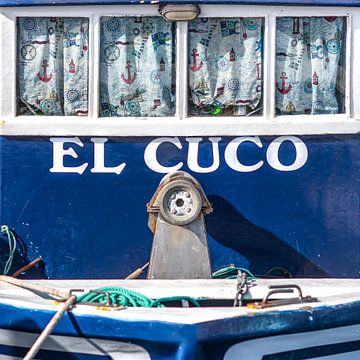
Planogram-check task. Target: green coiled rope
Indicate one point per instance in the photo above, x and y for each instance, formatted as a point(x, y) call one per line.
point(230, 272)
point(12, 247)
point(130, 298)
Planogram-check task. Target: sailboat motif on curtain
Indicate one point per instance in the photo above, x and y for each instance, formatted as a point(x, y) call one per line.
point(309, 72)
point(137, 76)
point(52, 66)
point(225, 65)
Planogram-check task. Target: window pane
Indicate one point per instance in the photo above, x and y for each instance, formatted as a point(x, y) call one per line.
point(52, 66)
point(137, 74)
point(310, 65)
point(225, 62)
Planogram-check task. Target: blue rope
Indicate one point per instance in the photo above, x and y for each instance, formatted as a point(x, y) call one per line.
point(12, 247)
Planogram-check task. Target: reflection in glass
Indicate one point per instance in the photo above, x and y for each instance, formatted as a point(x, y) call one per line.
point(52, 66)
point(310, 65)
point(225, 66)
point(137, 76)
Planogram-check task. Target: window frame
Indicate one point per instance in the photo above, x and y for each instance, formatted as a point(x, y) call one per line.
point(181, 124)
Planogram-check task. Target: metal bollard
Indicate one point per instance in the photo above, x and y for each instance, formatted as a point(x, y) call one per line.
point(176, 217)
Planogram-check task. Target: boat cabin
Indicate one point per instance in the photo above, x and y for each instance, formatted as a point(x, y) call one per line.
point(212, 146)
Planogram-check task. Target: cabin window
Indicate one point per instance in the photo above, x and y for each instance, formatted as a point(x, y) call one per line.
point(225, 66)
point(240, 70)
point(310, 66)
point(52, 66)
point(137, 67)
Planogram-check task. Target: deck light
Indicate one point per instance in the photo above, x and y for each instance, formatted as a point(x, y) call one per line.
point(179, 12)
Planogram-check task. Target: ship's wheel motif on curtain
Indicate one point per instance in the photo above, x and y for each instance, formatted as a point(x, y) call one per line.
point(310, 68)
point(52, 66)
point(225, 66)
point(137, 75)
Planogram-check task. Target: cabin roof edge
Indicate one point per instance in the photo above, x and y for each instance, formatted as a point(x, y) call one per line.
point(20, 3)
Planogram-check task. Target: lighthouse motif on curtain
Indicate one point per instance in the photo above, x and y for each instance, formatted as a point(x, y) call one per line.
point(310, 67)
point(225, 62)
point(52, 66)
point(137, 76)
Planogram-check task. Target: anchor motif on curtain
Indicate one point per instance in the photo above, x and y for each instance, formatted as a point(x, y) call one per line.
point(195, 66)
point(55, 79)
point(129, 79)
point(309, 52)
point(283, 89)
point(44, 78)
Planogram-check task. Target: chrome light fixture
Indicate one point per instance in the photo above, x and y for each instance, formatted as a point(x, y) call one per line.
point(181, 12)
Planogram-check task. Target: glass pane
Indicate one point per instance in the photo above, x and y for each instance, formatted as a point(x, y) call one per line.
point(52, 66)
point(225, 66)
point(310, 65)
point(137, 73)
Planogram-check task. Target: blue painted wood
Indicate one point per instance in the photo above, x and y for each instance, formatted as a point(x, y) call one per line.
point(166, 340)
point(8, 3)
point(95, 225)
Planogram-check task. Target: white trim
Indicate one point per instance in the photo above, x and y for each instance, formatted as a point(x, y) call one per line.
point(348, 68)
point(180, 124)
point(117, 350)
point(94, 81)
point(182, 70)
point(61, 126)
point(256, 349)
point(355, 60)
point(271, 64)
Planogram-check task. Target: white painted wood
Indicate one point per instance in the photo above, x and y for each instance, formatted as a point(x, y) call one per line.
point(71, 126)
point(270, 54)
point(348, 64)
point(94, 69)
point(116, 350)
point(182, 75)
point(355, 65)
point(181, 124)
point(329, 291)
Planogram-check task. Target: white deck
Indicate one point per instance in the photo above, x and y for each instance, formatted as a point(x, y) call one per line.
point(328, 291)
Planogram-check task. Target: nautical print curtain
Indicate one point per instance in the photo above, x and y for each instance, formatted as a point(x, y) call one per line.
point(225, 65)
point(52, 66)
point(309, 74)
point(137, 76)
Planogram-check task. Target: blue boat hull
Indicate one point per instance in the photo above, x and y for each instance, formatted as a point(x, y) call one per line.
point(89, 220)
point(327, 332)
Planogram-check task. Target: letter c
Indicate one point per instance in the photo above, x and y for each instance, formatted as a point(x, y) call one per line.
point(231, 154)
point(151, 151)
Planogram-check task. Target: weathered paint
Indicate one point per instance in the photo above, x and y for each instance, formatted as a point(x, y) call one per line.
point(8, 3)
point(94, 224)
point(205, 340)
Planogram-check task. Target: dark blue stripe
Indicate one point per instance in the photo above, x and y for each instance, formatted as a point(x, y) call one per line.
point(7, 3)
point(242, 327)
point(315, 351)
point(49, 354)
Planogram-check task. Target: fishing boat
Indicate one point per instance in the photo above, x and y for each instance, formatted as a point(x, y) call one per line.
point(179, 181)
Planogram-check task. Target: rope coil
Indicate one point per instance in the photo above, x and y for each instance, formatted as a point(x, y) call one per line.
point(12, 247)
point(130, 298)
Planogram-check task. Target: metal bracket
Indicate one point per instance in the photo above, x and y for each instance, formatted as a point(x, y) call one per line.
point(108, 300)
point(283, 289)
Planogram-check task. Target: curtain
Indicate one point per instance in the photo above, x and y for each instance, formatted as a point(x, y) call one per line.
point(137, 76)
point(309, 72)
point(52, 66)
point(225, 65)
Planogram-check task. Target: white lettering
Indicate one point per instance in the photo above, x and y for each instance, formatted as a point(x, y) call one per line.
point(193, 155)
point(151, 159)
point(231, 154)
point(59, 153)
point(99, 158)
point(301, 154)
